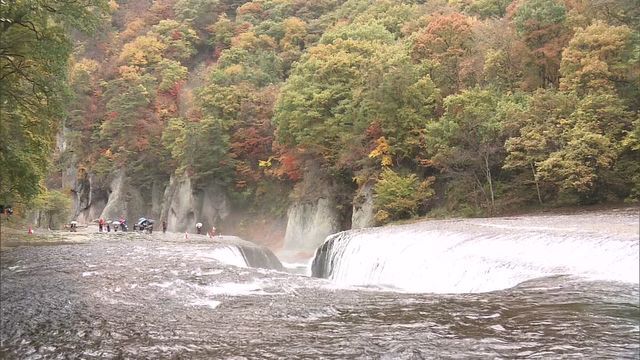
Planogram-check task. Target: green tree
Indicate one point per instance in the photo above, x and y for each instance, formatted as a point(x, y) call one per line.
point(352, 82)
point(468, 140)
point(571, 143)
point(222, 31)
point(602, 58)
point(34, 53)
point(53, 206)
point(539, 126)
point(579, 164)
point(489, 8)
point(399, 197)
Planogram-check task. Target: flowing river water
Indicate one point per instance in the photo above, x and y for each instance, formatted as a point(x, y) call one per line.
point(154, 296)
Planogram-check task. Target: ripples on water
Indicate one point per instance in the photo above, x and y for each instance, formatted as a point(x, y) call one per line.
point(151, 299)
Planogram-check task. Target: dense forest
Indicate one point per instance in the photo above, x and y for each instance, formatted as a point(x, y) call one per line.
point(467, 107)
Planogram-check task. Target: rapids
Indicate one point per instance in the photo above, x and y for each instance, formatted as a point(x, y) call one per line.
point(147, 297)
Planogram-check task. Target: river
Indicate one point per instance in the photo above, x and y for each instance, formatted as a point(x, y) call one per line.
point(151, 297)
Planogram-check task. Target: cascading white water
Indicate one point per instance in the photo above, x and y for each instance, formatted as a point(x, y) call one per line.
point(229, 255)
point(468, 256)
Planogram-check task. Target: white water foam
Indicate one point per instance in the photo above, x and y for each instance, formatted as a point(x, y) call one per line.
point(229, 255)
point(415, 259)
point(234, 289)
point(206, 302)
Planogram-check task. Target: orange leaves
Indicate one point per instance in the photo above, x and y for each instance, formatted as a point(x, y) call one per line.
point(374, 130)
point(445, 36)
point(166, 105)
point(447, 43)
point(250, 8)
point(133, 28)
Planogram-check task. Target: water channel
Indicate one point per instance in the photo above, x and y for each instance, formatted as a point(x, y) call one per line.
point(572, 293)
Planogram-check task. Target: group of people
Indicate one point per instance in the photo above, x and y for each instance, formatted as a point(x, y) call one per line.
point(210, 233)
point(105, 226)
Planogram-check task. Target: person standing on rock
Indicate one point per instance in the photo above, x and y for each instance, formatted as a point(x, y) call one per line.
point(212, 233)
point(164, 226)
point(199, 228)
point(101, 225)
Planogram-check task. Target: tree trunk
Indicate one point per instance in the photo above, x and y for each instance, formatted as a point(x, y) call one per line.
point(535, 179)
point(488, 175)
point(479, 183)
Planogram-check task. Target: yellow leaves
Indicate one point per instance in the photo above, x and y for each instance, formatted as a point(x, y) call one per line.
point(234, 70)
point(108, 154)
point(294, 32)
point(597, 56)
point(265, 163)
point(142, 51)
point(86, 65)
point(113, 5)
point(133, 28)
point(267, 42)
point(382, 151)
point(382, 217)
point(247, 40)
point(294, 25)
point(83, 70)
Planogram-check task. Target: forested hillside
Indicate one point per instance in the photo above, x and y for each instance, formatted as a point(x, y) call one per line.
point(463, 106)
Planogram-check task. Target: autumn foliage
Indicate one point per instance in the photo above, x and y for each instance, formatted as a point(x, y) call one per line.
point(492, 102)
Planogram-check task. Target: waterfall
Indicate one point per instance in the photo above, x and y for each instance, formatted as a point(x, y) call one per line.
point(476, 256)
point(226, 254)
point(234, 251)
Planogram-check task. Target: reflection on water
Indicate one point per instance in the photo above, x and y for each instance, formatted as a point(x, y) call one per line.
point(163, 299)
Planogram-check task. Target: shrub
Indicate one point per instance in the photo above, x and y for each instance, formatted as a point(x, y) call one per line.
point(399, 197)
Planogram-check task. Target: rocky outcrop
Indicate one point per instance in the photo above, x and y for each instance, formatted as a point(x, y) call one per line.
point(363, 216)
point(89, 200)
point(157, 196)
point(309, 223)
point(124, 200)
point(310, 219)
point(184, 205)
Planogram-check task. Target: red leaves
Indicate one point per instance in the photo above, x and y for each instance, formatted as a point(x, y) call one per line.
point(374, 131)
point(112, 115)
point(290, 166)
